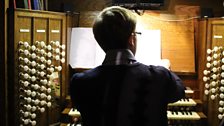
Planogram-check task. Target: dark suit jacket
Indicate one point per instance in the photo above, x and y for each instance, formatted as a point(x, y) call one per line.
point(125, 95)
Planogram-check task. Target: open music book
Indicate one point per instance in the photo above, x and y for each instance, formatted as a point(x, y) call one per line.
point(86, 53)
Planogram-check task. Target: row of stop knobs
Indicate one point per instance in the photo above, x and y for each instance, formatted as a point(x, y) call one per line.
point(35, 68)
point(214, 77)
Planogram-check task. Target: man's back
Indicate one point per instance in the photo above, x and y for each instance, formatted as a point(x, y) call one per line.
point(125, 95)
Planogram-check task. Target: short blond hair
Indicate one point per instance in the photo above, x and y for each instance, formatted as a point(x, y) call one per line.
point(113, 27)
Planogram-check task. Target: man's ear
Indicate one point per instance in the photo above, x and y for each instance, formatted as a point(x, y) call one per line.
point(131, 41)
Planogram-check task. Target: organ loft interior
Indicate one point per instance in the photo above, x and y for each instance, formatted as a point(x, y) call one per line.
point(44, 43)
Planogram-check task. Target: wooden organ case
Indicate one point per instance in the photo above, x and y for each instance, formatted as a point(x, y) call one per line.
point(212, 69)
point(37, 66)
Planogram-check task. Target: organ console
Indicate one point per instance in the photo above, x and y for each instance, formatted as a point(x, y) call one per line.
point(185, 112)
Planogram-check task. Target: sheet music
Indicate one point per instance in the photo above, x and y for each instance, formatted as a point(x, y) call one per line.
point(84, 50)
point(149, 47)
point(86, 53)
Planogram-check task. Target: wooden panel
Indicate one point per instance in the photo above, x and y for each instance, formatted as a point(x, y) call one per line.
point(40, 30)
point(201, 54)
point(177, 38)
point(187, 10)
point(217, 35)
point(24, 31)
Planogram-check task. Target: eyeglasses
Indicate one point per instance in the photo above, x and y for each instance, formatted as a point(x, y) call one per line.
point(136, 33)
